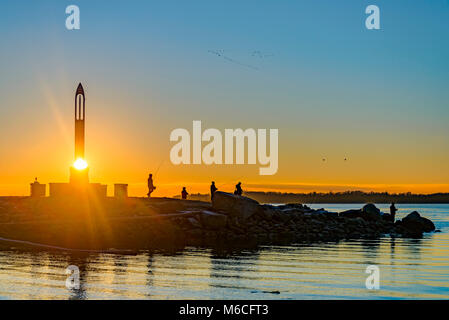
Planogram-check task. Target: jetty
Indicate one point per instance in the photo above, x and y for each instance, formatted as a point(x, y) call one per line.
point(110, 223)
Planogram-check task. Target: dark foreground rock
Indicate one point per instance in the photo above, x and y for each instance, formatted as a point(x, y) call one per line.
point(137, 223)
point(235, 206)
point(371, 212)
point(414, 225)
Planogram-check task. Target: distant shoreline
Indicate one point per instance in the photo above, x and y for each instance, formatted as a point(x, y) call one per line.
point(348, 197)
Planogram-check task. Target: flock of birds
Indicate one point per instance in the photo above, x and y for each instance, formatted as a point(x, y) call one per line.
point(255, 54)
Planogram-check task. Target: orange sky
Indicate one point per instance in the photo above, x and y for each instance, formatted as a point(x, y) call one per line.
point(120, 149)
point(333, 89)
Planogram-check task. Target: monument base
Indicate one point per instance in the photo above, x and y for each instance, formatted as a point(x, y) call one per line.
point(74, 190)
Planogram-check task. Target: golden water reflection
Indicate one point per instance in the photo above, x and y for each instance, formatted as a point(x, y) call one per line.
point(410, 268)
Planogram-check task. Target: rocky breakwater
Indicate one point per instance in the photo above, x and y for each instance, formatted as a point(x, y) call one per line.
point(240, 220)
point(140, 223)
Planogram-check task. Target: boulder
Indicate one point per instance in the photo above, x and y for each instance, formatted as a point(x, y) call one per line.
point(212, 220)
point(371, 213)
point(387, 217)
point(292, 207)
point(235, 206)
point(194, 222)
point(351, 214)
point(268, 212)
point(315, 214)
point(291, 211)
point(327, 214)
point(285, 217)
point(414, 223)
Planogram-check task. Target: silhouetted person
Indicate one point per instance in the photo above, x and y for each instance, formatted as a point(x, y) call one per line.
point(151, 186)
point(393, 211)
point(213, 188)
point(184, 193)
point(238, 189)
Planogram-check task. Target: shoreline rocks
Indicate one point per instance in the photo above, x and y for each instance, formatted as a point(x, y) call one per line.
point(138, 223)
point(235, 206)
point(414, 225)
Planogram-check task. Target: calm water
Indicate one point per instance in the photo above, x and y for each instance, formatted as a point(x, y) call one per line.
point(409, 268)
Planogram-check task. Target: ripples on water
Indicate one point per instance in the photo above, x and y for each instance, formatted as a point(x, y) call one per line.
point(409, 268)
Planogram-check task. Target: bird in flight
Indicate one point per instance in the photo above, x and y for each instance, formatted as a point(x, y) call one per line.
point(220, 53)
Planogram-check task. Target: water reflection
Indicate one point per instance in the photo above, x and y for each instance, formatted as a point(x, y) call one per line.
point(410, 268)
point(149, 279)
point(392, 250)
point(370, 250)
point(413, 246)
point(232, 265)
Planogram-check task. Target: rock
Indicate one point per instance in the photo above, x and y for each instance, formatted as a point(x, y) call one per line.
point(327, 214)
point(236, 206)
point(195, 233)
point(193, 222)
point(212, 220)
point(316, 215)
point(291, 211)
point(414, 223)
point(412, 216)
point(351, 214)
point(277, 215)
point(292, 208)
point(268, 212)
point(360, 221)
point(285, 217)
point(371, 213)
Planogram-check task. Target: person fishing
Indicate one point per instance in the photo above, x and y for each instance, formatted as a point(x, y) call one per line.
point(151, 186)
point(393, 211)
point(213, 188)
point(184, 193)
point(238, 189)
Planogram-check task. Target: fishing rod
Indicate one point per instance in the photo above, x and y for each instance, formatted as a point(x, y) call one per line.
point(160, 165)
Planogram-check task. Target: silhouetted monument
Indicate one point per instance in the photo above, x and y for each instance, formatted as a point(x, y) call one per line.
point(80, 114)
point(79, 177)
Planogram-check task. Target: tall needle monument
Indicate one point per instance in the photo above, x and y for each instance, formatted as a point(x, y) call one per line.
point(79, 171)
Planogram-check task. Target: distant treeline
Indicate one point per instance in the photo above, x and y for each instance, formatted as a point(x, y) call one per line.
point(338, 197)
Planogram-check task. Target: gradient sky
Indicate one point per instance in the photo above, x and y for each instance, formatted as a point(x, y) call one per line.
point(333, 89)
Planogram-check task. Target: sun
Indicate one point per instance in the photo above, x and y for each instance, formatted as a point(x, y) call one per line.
point(80, 164)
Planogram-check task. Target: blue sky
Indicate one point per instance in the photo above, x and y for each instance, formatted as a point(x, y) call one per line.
point(309, 68)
